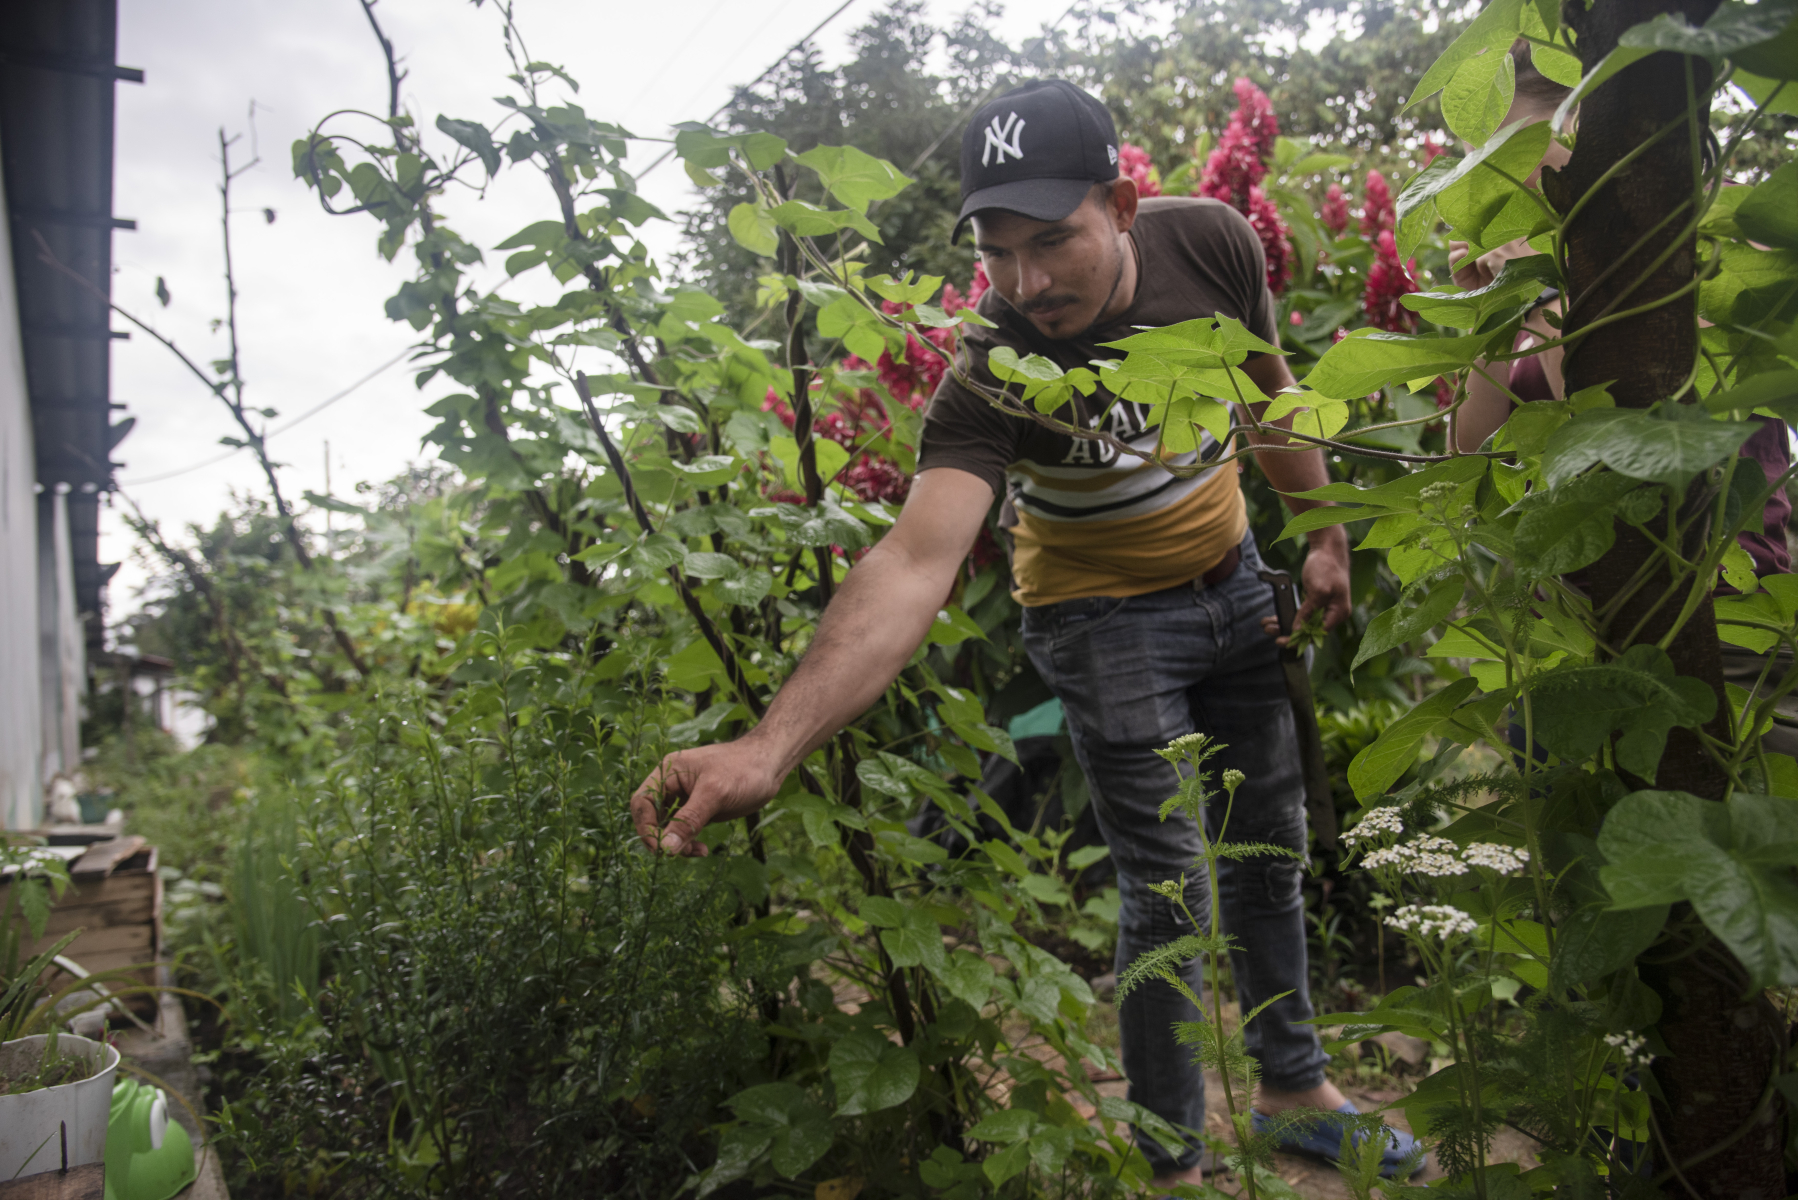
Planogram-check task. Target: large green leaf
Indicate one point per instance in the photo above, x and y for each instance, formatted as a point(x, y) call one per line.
point(808, 220)
point(1732, 28)
point(917, 941)
point(1398, 625)
point(1475, 101)
point(1369, 359)
point(1753, 285)
point(1519, 281)
point(1577, 707)
point(1732, 860)
point(476, 137)
point(871, 1073)
point(968, 976)
point(800, 1129)
point(1515, 150)
point(1767, 91)
point(1641, 445)
point(854, 177)
point(754, 229)
point(1770, 213)
point(1775, 390)
point(1493, 30)
point(1379, 766)
point(1571, 527)
point(1593, 942)
point(705, 148)
point(1775, 58)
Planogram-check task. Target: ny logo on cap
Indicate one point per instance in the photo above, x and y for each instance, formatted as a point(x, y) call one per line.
point(1003, 138)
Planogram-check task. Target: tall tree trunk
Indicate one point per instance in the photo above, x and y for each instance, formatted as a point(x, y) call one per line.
point(1723, 1046)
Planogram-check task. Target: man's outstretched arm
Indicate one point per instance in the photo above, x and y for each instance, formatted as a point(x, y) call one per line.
point(864, 640)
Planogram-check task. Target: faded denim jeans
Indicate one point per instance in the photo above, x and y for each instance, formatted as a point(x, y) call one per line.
point(1134, 674)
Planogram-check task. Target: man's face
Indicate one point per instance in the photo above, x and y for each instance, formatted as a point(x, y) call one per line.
point(1060, 274)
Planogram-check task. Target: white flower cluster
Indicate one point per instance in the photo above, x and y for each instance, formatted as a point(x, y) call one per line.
point(1631, 1044)
point(1428, 855)
point(1421, 856)
point(1376, 823)
point(1432, 920)
point(1505, 860)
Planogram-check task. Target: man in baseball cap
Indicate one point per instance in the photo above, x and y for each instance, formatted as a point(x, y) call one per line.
point(1142, 608)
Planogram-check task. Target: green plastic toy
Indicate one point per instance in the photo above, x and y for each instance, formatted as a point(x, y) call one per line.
point(148, 1156)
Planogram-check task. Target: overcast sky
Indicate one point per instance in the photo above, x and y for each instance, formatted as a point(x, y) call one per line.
point(310, 286)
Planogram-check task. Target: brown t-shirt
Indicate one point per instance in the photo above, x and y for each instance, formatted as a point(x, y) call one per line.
point(1091, 522)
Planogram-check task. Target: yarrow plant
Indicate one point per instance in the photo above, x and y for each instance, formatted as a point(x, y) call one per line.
point(1439, 921)
point(1433, 856)
point(1223, 1052)
point(1376, 823)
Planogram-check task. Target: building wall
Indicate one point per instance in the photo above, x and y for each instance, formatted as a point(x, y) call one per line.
point(21, 729)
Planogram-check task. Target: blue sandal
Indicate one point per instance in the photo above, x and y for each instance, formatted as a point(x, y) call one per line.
point(1322, 1139)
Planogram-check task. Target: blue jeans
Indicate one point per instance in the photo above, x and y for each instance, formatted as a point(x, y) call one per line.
point(1134, 674)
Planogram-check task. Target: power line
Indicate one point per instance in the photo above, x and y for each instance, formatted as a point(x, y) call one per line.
point(313, 411)
point(772, 67)
point(699, 27)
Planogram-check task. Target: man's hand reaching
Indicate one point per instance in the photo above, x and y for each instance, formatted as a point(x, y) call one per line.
point(1325, 577)
point(693, 788)
point(878, 618)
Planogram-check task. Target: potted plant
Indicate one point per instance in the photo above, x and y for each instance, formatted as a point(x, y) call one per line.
point(55, 1087)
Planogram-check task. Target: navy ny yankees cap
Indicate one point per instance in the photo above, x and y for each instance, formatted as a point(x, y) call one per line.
point(1037, 151)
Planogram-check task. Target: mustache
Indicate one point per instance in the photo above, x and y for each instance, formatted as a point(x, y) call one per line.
point(1044, 303)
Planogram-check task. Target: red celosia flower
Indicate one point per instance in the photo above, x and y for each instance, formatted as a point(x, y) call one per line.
point(1379, 213)
point(977, 289)
point(1272, 229)
point(1335, 214)
point(1432, 150)
point(1234, 171)
point(1240, 160)
point(1387, 280)
point(1134, 162)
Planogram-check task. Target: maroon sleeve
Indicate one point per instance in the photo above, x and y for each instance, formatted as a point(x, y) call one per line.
point(1770, 448)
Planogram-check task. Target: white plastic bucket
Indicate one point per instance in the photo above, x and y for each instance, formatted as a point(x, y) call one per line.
point(30, 1124)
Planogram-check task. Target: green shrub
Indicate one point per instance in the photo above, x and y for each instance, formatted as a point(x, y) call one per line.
point(512, 1000)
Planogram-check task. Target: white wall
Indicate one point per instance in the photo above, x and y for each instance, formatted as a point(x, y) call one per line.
point(21, 796)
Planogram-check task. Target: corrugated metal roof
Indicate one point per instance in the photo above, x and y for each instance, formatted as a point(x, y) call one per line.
point(57, 76)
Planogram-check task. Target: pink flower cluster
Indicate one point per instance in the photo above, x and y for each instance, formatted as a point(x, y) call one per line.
point(1335, 213)
point(1134, 162)
point(1387, 280)
point(1235, 169)
point(1240, 160)
point(1380, 212)
point(911, 379)
point(869, 476)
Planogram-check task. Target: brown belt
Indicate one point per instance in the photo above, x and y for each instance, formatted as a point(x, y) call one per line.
point(1222, 571)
